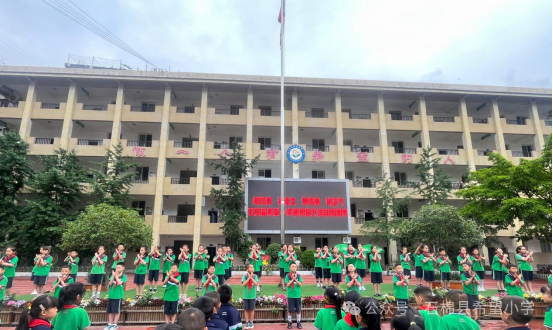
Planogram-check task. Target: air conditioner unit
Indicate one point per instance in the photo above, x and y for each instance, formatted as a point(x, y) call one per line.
point(297, 240)
point(346, 240)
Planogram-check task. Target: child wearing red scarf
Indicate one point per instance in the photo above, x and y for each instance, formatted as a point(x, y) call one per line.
point(171, 295)
point(249, 282)
point(294, 282)
point(38, 314)
point(348, 322)
point(514, 282)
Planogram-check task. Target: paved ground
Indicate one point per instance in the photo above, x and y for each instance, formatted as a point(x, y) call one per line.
point(488, 325)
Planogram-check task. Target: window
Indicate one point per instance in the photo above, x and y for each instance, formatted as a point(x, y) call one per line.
point(235, 109)
point(321, 242)
point(265, 110)
point(353, 210)
point(139, 206)
point(142, 173)
point(527, 151)
point(349, 175)
point(148, 107)
point(318, 112)
point(317, 174)
point(213, 216)
point(266, 173)
point(264, 143)
point(318, 144)
point(400, 178)
point(237, 139)
point(521, 120)
point(264, 242)
point(145, 140)
point(189, 109)
point(398, 146)
point(403, 212)
point(396, 115)
point(545, 246)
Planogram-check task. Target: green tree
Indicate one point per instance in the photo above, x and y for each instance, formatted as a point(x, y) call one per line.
point(384, 227)
point(272, 250)
point(111, 184)
point(307, 258)
point(500, 194)
point(434, 184)
point(15, 170)
point(230, 200)
point(440, 226)
point(106, 225)
point(54, 193)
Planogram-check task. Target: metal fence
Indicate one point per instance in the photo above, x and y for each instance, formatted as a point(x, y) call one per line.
point(319, 148)
point(86, 142)
point(50, 106)
point(147, 144)
point(444, 119)
point(95, 107)
point(180, 180)
point(177, 219)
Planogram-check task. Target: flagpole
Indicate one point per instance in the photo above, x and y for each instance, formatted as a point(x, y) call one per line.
point(283, 20)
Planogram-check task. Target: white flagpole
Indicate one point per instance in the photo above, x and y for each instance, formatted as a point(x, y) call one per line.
point(283, 20)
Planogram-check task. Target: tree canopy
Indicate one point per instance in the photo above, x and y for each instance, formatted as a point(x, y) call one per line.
point(434, 184)
point(500, 194)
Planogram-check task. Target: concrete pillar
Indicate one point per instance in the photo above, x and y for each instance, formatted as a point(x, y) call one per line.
point(425, 134)
point(26, 121)
point(201, 170)
point(539, 142)
point(383, 137)
point(249, 127)
point(116, 129)
point(295, 133)
point(499, 138)
point(161, 164)
point(339, 136)
point(67, 127)
point(467, 138)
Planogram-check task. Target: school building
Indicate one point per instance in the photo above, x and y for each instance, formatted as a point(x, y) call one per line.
point(174, 124)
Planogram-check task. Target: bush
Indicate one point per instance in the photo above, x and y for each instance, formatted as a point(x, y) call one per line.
point(307, 258)
point(272, 250)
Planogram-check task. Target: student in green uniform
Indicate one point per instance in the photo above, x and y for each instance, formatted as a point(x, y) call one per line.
point(9, 262)
point(210, 281)
point(3, 284)
point(39, 315)
point(458, 320)
point(184, 270)
point(154, 267)
point(230, 262)
point(63, 280)
point(219, 262)
point(444, 263)
point(73, 262)
point(336, 263)
point(70, 315)
point(318, 266)
point(326, 267)
point(524, 259)
point(293, 284)
point(115, 295)
point(418, 265)
point(289, 258)
point(478, 266)
point(119, 255)
point(260, 254)
point(249, 282)
point(141, 264)
point(200, 261)
point(353, 280)
point(330, 315)
point(427, 262)
point(368, 314)
point(546, 296)
point(405, 258)
point(43, 263)
point(401, 287)
point(97, 272)
point(514, 282)
point(361, 265)
point(423, 296)
point(376, 270)
point(499, 269)
point(281, 254)
point(462, 258)
point(168, 261)
point(348, 322)
point(171, 295)
point(226, 265)
point(470, 287)
point(516, 312)
point(349, 256)
point(254, 258)
point(34, 270)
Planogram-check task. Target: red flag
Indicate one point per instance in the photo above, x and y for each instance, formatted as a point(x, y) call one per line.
point(281, 20)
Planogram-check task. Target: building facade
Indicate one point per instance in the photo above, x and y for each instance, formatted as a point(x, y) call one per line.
point(176, 124)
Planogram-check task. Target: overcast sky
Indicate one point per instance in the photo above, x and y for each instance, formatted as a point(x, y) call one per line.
point(468, 42)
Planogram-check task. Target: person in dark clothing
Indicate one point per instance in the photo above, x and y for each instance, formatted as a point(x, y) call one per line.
point(216, 319)
point(205, 304)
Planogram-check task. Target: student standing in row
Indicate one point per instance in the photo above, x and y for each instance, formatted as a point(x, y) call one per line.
point(154, 267)
point(326, 267)
point(470, 286)
point(184, 270)
point(289, 259)
point(401, 287)
point(43, 264)
point(318, 267)
point(98, 270)
point(376, 270)
point(168, 261)
point(336, 263)
point(427, 260)
point(73, 262)
point(230, 264)
point(349, 256)
point(141, 268)
point(200, 259)
point(514, 282)
point(478, 266)
point(171, 294)
point(210, 281)
point(9, 261)
point(524, 259)
point(293, 283)
point(462, 258)
point(260, 254)
point(116, 292)
point(418, 265)
point(405, 258)
point(254, 258)
point(353, 280)
point(63, 280)
point(361, 265)
point(281, 261)
point(118, 256)
point(249, 282)
point(499, 269)
point(219, 262)
point(444, 263)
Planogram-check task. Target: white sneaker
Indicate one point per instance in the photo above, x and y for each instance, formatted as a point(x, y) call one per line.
point(164, 285)
point(34, 292)
point(108, 327)
point(251, 325)
point(258, 289)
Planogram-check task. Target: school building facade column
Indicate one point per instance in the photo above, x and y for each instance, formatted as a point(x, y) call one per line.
point(467, 138)
point(249, 127)
point(116, 128)
point(425, 134)
point(339, 136)
point(26, 121)
point(499, 138)
point(295, 133)
point(383, 134)
point(539, 142)
point(67, 126)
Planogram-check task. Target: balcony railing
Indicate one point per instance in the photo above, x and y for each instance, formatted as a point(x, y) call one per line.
point(218, 181)
point(221, 145)
point(403, 118)
point(186, 110)
point(147, 144)
point(359, 116)
point(316, 114)
point(319, 148)
point(411, 151)
point(521, 153)
point(95, 107)
point(44, 141)
point(182, 144)
point(370, 150)
point(456, 185)
point(448, 152)
point(177, 219)
point(16, 104)
point(269, 146)
point(480, 120)
point(143, 108)
point(548, 122)
point(180, 180)
point(444, 119)
point(360, 220)
point(404, 184)
point(269, 113)
point(141, 180)
point(232, 112)
point(86, 142)
point(483, 152)
point(516, 122)
point(50, 106)
point(364, 183)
